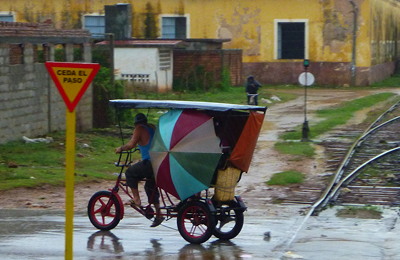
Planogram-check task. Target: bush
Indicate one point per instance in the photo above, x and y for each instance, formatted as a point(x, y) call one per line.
point(104, 90)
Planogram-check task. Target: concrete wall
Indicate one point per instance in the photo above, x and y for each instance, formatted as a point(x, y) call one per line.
point(30, 104)
point(26, 98)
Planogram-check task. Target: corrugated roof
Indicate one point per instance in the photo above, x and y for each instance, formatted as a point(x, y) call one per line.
point(148, 43)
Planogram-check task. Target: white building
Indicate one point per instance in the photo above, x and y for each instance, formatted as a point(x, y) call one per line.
point(145, 63)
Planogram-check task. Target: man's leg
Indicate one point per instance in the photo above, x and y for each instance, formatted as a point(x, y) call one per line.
point(133, 176)
point(136, 196)
point(154, 198)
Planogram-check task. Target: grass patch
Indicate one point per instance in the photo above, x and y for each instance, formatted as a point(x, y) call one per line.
point(38, 164)
point(295, 148)
point(285, 178)
point(393, 81)
point(337, 116)
point(233, 95)
point(365, 212)
point(34, 164)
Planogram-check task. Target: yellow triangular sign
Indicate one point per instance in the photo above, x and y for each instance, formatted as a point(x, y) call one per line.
point(72, 79)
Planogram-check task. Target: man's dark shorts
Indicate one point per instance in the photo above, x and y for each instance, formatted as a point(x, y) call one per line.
point(139, 171)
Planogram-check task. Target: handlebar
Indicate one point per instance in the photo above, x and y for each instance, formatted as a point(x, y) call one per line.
point(128, 158)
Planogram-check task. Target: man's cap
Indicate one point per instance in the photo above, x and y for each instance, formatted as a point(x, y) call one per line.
point(140, 118)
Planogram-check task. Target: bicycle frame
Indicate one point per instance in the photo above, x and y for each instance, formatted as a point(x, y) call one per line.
point(168, 208)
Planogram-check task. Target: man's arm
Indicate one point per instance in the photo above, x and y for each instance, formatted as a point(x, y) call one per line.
point(132, 142)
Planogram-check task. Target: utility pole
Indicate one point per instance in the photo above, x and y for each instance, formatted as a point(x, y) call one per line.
point(305, 129)
point(110, 37)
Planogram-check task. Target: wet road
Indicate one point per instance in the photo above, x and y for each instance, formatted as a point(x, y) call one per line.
point(33, 234)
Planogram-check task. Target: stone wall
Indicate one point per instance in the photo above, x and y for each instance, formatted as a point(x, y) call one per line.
point(30, 104)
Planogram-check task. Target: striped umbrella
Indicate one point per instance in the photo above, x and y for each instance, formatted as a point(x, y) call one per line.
point(185, 152)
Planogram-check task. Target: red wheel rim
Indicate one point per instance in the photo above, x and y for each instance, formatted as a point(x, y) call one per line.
point(103, 210)
point(195, 221)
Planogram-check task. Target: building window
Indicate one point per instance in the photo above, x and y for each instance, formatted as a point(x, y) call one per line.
point(291, 40)
point(6, 18)
point(174, 27)
point(95, 24)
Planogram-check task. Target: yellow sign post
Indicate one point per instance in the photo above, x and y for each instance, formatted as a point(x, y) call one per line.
point(72, 80)
point(69, 182)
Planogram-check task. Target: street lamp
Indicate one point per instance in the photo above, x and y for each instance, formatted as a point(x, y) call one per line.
point(306, 79)
point(305, 129)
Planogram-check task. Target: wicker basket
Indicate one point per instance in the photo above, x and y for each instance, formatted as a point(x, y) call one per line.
point(226, 183)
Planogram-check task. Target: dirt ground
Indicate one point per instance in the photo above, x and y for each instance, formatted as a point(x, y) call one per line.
point(280, 117)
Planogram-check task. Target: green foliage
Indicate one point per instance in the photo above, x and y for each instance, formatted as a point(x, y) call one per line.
point(295, 148)
point(59, 54)
point(40, 56)
point(105, 90)
point(285, 178)
point(101, 56)
point(198, 79)
point(103, 79)
point(225, 83)
point(337, 116)
point(78, 54)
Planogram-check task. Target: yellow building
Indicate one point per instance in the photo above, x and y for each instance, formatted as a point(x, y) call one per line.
point(347, 41)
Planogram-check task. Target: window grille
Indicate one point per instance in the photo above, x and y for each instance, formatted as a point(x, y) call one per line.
point(291, 40)
point(165, 59)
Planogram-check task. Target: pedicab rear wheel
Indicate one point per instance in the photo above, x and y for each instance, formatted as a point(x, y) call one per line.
point(229, 221)
point(104, 210)
point(195, 222)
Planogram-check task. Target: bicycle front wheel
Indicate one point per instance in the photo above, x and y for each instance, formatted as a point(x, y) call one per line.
point(104, 210)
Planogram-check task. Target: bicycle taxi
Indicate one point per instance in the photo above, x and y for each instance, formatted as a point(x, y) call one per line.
point(198, 154)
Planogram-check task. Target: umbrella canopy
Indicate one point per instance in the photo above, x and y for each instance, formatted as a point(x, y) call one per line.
point(185, 152)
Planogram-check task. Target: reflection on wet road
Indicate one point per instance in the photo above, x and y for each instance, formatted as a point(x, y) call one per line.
point(32, 234)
